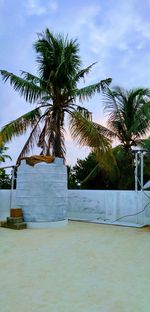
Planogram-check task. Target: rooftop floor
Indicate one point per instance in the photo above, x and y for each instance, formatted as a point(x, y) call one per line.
point(82, 267)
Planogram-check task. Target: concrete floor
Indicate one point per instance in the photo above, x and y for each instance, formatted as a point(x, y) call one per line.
point(79, 268)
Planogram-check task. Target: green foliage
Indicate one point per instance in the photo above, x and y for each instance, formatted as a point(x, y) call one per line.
point(81, 170)
point(5, 180)
point(3, 156)
point(90, 174)
point(93, 174)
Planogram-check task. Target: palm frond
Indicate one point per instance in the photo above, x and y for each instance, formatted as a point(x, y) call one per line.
point(4, 157)
point(31, 141)
point(20, 125)
point(96, 170)
point(129, 113)
point(145, 143)
point(84, 112)
point(87, 133)
point(32, 78)
point(84, 72)
point(58, 59)
point(28, 89)
point(106, 163)
point(87, 92)
point(3, 149)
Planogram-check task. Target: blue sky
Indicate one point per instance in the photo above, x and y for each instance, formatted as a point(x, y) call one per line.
point(115, 33)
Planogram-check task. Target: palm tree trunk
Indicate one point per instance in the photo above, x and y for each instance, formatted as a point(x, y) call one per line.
point(58, 144)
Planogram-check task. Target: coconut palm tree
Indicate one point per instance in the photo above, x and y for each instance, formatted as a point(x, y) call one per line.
point(129, 114)
point(56, 93)
point(129, 121)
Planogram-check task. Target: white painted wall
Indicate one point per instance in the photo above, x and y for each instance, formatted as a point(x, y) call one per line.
point(95, 205)
point(5, 199)
point(108, 205)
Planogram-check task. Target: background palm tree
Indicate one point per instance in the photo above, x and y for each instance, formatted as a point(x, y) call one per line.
point(128, 114)
point(3, 156)
point(129, 121)
point(5, 179)
point(55, 91)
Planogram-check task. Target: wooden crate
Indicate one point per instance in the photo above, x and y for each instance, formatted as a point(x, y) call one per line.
point(16, 212)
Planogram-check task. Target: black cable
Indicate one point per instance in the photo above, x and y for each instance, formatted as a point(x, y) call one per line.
point(133, 214)
point(142, 189)
point(136, 213)
point(129, 215)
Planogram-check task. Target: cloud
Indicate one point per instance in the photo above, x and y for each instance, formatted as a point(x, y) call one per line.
point(116, 35)
point(36, 7)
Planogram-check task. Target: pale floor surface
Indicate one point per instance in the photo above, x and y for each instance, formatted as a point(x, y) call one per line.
point(79, 268)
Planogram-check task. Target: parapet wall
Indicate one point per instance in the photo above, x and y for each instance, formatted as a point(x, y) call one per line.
point(109, 205)
point(96, 205)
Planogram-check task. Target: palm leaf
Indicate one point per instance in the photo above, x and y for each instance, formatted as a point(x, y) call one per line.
point(32, 78)
point(3, 157)
point(96, 170)
point(145, 143)
point(84, 72)
point(129, 112)
point(20, 125)
point(84, 112)
point(31, 141)
point(87, 92)
point(28, 89)
point(107, 163)
point(88, 133)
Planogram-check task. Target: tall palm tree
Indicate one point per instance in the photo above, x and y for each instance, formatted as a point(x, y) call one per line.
point(129, 114)
point(55, 92)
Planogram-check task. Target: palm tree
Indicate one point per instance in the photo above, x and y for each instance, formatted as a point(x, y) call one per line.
point(129, 114)
point(3, 156)
point(129, 121)
point(55, 92)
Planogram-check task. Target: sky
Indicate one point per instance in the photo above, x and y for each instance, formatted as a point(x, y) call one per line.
point(114, 33)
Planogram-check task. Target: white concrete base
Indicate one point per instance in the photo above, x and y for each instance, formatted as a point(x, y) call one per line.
point(44, 225)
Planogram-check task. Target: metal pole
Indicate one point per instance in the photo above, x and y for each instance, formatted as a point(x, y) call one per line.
point(142, 166)
point(136, 172)
point(12, 185)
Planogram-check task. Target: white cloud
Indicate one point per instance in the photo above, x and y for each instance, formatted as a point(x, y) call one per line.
point(36, 7)
point(112, 37)
point(122, 23)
